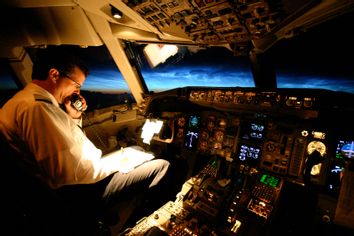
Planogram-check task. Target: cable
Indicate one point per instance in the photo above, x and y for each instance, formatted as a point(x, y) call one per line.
point(95, 131)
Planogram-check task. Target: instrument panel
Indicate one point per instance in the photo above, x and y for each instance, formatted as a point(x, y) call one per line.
point(277, 131)
point(257, 141)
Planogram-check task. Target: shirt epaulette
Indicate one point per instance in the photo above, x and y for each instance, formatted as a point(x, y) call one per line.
point(43, 100)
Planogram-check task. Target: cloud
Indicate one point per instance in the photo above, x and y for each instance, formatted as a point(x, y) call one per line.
point(105, 79)
point(206, 75)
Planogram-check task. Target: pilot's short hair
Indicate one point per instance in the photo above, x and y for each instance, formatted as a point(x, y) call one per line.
point(62, 58)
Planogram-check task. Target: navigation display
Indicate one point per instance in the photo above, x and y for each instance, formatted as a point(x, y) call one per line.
point(192, 132)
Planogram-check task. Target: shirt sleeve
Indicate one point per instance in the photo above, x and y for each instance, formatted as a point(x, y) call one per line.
point(64, 154)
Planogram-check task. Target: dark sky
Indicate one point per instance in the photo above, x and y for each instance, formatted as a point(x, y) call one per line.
point(326, 48)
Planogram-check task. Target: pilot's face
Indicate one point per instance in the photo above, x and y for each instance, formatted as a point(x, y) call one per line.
point(67, 84)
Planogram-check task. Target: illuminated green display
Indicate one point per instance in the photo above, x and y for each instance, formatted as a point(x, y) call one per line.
point(270, 180)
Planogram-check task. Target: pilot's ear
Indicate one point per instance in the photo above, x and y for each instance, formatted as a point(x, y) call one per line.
point(53, 74)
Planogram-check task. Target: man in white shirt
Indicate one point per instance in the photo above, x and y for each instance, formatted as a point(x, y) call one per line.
point(51, 144)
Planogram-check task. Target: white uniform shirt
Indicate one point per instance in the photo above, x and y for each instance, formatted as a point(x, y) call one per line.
point(50, 142)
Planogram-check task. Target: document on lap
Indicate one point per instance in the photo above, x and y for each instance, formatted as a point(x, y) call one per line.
point(130, 157)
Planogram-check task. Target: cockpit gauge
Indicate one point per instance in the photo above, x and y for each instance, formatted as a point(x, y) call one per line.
point(222, 123)
point(210, 125)
point(181, 121)
point(203, 146)
point(204, 135)
point(270, 147)
point(316, 145)
point(219, 136)
point(180, 133)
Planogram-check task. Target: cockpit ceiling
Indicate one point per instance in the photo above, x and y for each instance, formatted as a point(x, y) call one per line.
point(239, 25)
point(242, 24)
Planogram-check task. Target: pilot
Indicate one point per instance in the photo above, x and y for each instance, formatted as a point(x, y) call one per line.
point(52, 147)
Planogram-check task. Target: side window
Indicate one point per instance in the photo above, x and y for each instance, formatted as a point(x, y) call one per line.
point(8, 86)
point(104, 86)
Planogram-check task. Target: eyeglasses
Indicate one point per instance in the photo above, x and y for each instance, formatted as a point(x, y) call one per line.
point(78, 86)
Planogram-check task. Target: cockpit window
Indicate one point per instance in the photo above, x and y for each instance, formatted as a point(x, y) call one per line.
point(213, 67)
point(6, 78)
point(297, 63)
point(8, 86)
point(319, 58)
point(104, 75)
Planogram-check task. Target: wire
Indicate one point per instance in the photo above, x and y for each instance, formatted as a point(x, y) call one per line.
point(95, 131)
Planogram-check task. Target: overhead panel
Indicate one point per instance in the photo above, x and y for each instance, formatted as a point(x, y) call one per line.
point(212, 22)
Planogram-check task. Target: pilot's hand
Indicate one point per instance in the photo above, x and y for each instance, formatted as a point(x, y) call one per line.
point(75, 111)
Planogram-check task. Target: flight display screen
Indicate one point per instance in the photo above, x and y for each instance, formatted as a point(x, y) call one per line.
point(345, 149)
point(192, 133)
point(334, 177)
point(249, 153)
point(252, 131)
